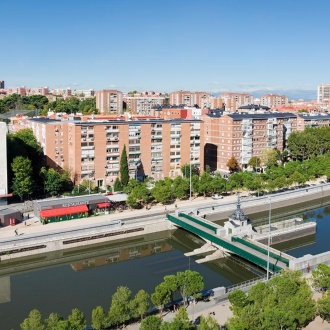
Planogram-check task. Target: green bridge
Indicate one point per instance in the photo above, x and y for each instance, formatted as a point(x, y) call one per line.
point(243, 248)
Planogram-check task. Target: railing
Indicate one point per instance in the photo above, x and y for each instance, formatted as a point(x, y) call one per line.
point(228, 246)
point(261, 250)
point(199, 222)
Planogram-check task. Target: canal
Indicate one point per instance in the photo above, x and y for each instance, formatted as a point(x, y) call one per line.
point(85, 278)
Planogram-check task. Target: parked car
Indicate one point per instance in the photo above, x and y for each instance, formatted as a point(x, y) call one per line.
point(217, 196)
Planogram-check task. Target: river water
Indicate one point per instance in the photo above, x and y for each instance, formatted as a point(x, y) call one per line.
point(86, 278)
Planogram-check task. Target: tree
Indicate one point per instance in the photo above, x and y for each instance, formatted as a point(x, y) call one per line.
point(117, 185)
point(138, 196)
point(180, 321)
point(123, 170)
point(53, 320)
point(323, 306)
point(161, 296)
point(284, 302)
point(233, 164)
point(52, 181)
point(321, 276)
point(120, 306)
point(180, 187)
point(99, 319)
point(77, 320)
point(33, 322)
point(185, 169)
point(205, 184)
point(151, 322)
point(254, 162)
point(162, 191)
point(22, 183)
point(189, 283)
point(208, 323)
point(269, 157)
point(140, 304)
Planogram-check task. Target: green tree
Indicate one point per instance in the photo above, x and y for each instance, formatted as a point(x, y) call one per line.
point(180, 321)
point(233, 164)
point(117, 185)
point(120, 306)
point(151, 322)
point(180, 187)
point(185, 170)
point(138, 196)
point(23, 182)
point(208, 323)
point(323, 306)
point(140, 304)
point(161, 296)
point(162, 191)
point(321, 276)
point(123, 170)
point(269, 157)
point(254, 162)
point(52, 181)
point(53, 320)
point(190, 283)
point(99, 319)
point(205, 184)
point(33, 321)
point(77, 320)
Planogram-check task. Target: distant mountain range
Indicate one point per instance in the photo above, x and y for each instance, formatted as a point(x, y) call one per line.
point(292, 94)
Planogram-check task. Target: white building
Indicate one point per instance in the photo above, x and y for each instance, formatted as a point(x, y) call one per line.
point(3, 171)
point(323, 93)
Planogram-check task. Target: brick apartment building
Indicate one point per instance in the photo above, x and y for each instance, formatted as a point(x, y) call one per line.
point(109, 101)
point(189, 99)
point(92, 149)
point(243, 136)
point(273, 100)
point(143, 104)
point(232, 101)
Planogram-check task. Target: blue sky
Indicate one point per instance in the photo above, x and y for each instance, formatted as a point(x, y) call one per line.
point(165, 45)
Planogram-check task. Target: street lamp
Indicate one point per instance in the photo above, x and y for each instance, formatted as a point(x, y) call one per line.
point(190, 170)
point(269, 219)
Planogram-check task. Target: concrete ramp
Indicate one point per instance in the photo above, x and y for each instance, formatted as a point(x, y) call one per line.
point(216, 255)
point(205, 248)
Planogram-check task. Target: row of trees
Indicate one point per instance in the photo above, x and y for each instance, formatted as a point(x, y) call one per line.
point(68, 105)
point(123, 307)
point(284, 302)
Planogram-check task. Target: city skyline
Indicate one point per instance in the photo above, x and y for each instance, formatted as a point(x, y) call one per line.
point(211, 46)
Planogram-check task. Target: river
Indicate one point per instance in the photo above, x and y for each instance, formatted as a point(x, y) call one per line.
point(86, 278)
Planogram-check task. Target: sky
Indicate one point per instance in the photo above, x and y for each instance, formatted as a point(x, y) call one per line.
point(166, 45)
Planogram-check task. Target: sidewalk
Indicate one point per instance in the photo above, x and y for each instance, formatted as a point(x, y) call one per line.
point(33, 225)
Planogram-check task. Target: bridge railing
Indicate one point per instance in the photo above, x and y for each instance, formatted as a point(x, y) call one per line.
point(199, 222)
point(261, 250)
point(227, 245)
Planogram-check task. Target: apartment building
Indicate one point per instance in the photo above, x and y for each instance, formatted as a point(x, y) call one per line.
point(312, 120)
point(243, 136)
point(37, 91)
point(143, 104)
point(190, 99)
point(273, 100)
point(2, 84)
point(232, 101)
point(323, 93)
point(92, 149)
point(83, 93)
point(109, 101)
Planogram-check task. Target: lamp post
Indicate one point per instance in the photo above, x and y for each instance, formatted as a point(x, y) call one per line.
point(190, 170)
point(269, 219)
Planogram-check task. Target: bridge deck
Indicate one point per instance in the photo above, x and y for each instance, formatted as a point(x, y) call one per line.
point(255, 255)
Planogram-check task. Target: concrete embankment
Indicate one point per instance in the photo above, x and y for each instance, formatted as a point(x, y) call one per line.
point(70, 234)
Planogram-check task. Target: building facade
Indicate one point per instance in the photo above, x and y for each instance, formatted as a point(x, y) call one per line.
point(232, 101)
point(323, 93)
point(2, 84)
point(243, 136)
point(273, 100)
point(109, 101)
point(143, 105)
point(190, 99)
point(92, 149)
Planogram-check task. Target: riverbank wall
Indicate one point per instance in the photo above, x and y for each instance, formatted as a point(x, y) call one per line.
point(79, 237)
point(143, 222)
